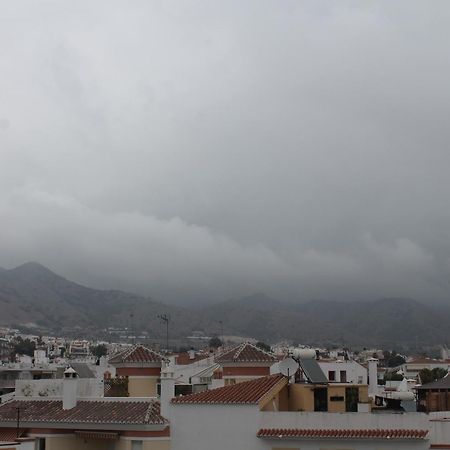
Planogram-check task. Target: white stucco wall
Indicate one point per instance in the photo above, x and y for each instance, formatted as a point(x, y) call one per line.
point(356, 373)
point(217, 427)
point(52, 388)
point(228, 427)
point(440, 427)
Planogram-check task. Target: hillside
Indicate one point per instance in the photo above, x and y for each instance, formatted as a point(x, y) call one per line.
point(32, 294)
point(386, 322)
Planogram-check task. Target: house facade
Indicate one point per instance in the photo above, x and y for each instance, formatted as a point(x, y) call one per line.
point(142, 368)
point(72, 423)
point(243, 363)
point(261, 414)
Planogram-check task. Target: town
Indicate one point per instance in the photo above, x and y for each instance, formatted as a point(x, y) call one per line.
point(61, 393)
point(224, 225)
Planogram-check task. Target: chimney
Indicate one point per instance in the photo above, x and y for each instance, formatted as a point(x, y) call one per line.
point(191, 353)
point(167, 389)
point(70, 384)
point(373, 376)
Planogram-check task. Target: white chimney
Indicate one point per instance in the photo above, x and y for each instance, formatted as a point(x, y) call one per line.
point(167, 389)
point(70, 384)
point(191, 353)
point(373, 375)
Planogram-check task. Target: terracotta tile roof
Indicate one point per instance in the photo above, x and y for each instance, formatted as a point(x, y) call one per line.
point(427, 361)
point(136, 354)
point(247, 392)
point(300, 433)
point(87, 411)
point(246, 353)
point(183, 359)
point(9, 435)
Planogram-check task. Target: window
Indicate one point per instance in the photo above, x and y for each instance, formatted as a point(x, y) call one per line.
point(321, 399)
point(343, 376)
point(136, 445)
point(40, 444)
point(351, 399)
point(360, 380)
point(331, 375)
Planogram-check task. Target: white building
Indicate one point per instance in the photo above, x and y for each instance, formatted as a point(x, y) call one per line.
point(246, 416)
point(412, 367)
point(344, 371)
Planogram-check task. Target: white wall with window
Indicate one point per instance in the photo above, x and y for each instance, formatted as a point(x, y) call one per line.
point(344, 371)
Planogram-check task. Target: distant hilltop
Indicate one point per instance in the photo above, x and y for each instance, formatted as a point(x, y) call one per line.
point(33, 294)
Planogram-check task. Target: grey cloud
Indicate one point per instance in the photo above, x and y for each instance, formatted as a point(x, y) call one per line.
point(213, 149)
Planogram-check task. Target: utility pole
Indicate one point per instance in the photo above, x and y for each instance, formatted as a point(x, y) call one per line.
point(221, 331)
point(165, 318)
point(132, 328)
point(18, 422)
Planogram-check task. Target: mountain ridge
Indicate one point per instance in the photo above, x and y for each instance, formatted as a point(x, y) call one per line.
point(32, 293)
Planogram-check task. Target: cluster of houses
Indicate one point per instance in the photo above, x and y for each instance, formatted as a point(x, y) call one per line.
point(237, 398)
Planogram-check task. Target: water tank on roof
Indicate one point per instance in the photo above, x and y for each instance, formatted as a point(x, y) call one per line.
point(302, 353)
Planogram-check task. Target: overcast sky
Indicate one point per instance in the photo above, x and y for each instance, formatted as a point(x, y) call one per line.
point(212, 149)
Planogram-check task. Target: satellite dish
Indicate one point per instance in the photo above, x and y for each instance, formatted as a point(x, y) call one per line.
point(288, 367)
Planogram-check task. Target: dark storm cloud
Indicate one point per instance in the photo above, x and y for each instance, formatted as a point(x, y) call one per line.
point(206, 149)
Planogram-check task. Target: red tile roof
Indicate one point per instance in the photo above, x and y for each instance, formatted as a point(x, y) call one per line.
point(427, 361)
point(9, 435)
point(136, 354)
point(246, 353)
point(184, 358)
point(247, 392)
point(87, 411)
point(300, 433)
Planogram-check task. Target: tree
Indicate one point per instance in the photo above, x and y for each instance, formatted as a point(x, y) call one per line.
point(427, 375)
point(24, 346)
point(393, 376)
point(263, 346)
point(215, 342)
point(393, 359)
point(99, 350)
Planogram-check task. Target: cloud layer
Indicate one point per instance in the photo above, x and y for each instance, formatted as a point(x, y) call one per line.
point(202, 149)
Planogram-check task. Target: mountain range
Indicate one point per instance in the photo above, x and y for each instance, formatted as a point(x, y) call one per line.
point(33, 296)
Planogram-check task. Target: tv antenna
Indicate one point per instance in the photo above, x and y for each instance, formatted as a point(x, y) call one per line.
point(165, 318)
point(133, 340)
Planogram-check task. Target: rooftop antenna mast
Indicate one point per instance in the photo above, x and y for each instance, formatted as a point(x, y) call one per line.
point(133, 340)
point(221, 331)
point(165, 318)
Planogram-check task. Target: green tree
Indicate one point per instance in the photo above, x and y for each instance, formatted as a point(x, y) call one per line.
point(427, 375)
point(99, 350)
point(263, 346)
point(393, 359)
point(393, 376)
point(24, 346)
point(215, 342)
